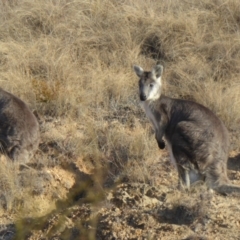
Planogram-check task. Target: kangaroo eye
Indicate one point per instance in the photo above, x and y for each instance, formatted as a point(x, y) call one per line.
point(151, 85)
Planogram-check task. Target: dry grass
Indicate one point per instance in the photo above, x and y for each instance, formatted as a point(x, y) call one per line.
point(72, 62)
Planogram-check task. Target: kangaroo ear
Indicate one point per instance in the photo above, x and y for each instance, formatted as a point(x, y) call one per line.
point(157, 70)
point(138, 70)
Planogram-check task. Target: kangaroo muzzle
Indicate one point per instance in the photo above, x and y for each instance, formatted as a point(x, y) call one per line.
point(143, 97)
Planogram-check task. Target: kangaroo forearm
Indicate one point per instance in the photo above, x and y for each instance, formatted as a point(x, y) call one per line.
point(159, 136)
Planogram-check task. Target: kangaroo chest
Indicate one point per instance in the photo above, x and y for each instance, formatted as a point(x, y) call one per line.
point(150, 114)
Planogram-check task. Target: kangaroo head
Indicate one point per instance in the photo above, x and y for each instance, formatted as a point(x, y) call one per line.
point(149, 83)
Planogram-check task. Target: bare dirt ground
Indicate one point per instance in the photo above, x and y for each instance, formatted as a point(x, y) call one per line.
point(142, 211)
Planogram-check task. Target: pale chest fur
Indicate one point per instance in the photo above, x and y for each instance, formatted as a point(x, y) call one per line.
point(149, 112)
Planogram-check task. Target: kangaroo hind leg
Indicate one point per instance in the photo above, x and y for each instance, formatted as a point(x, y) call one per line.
point(216, 178)
point(188, 172)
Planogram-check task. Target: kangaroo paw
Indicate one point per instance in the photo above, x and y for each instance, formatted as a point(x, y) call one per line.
point(161, 144)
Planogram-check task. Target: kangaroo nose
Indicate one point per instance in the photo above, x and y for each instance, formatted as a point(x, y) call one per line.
point(143, 97)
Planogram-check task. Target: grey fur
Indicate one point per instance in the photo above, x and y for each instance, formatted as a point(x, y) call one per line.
point(197, 139)
point(19, 128)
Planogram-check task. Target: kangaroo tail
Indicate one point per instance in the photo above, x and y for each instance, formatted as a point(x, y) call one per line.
point(228, 189)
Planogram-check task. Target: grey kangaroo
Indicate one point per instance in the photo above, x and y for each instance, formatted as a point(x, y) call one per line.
point(196, 138)
point(19, 128)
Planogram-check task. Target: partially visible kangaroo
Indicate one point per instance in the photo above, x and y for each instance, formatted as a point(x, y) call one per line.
point(19, 128)
point(197, 140)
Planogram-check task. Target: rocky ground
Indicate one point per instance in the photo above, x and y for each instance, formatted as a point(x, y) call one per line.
point(141, 211)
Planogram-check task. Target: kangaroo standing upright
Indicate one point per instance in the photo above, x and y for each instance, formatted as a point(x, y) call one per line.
point(19, 129)
point(197, 139)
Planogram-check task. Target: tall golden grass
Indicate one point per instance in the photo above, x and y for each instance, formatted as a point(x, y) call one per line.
point(72, 60)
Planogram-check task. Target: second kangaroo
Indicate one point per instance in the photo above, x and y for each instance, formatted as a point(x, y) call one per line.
point(197, 139)
point(19, 128)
